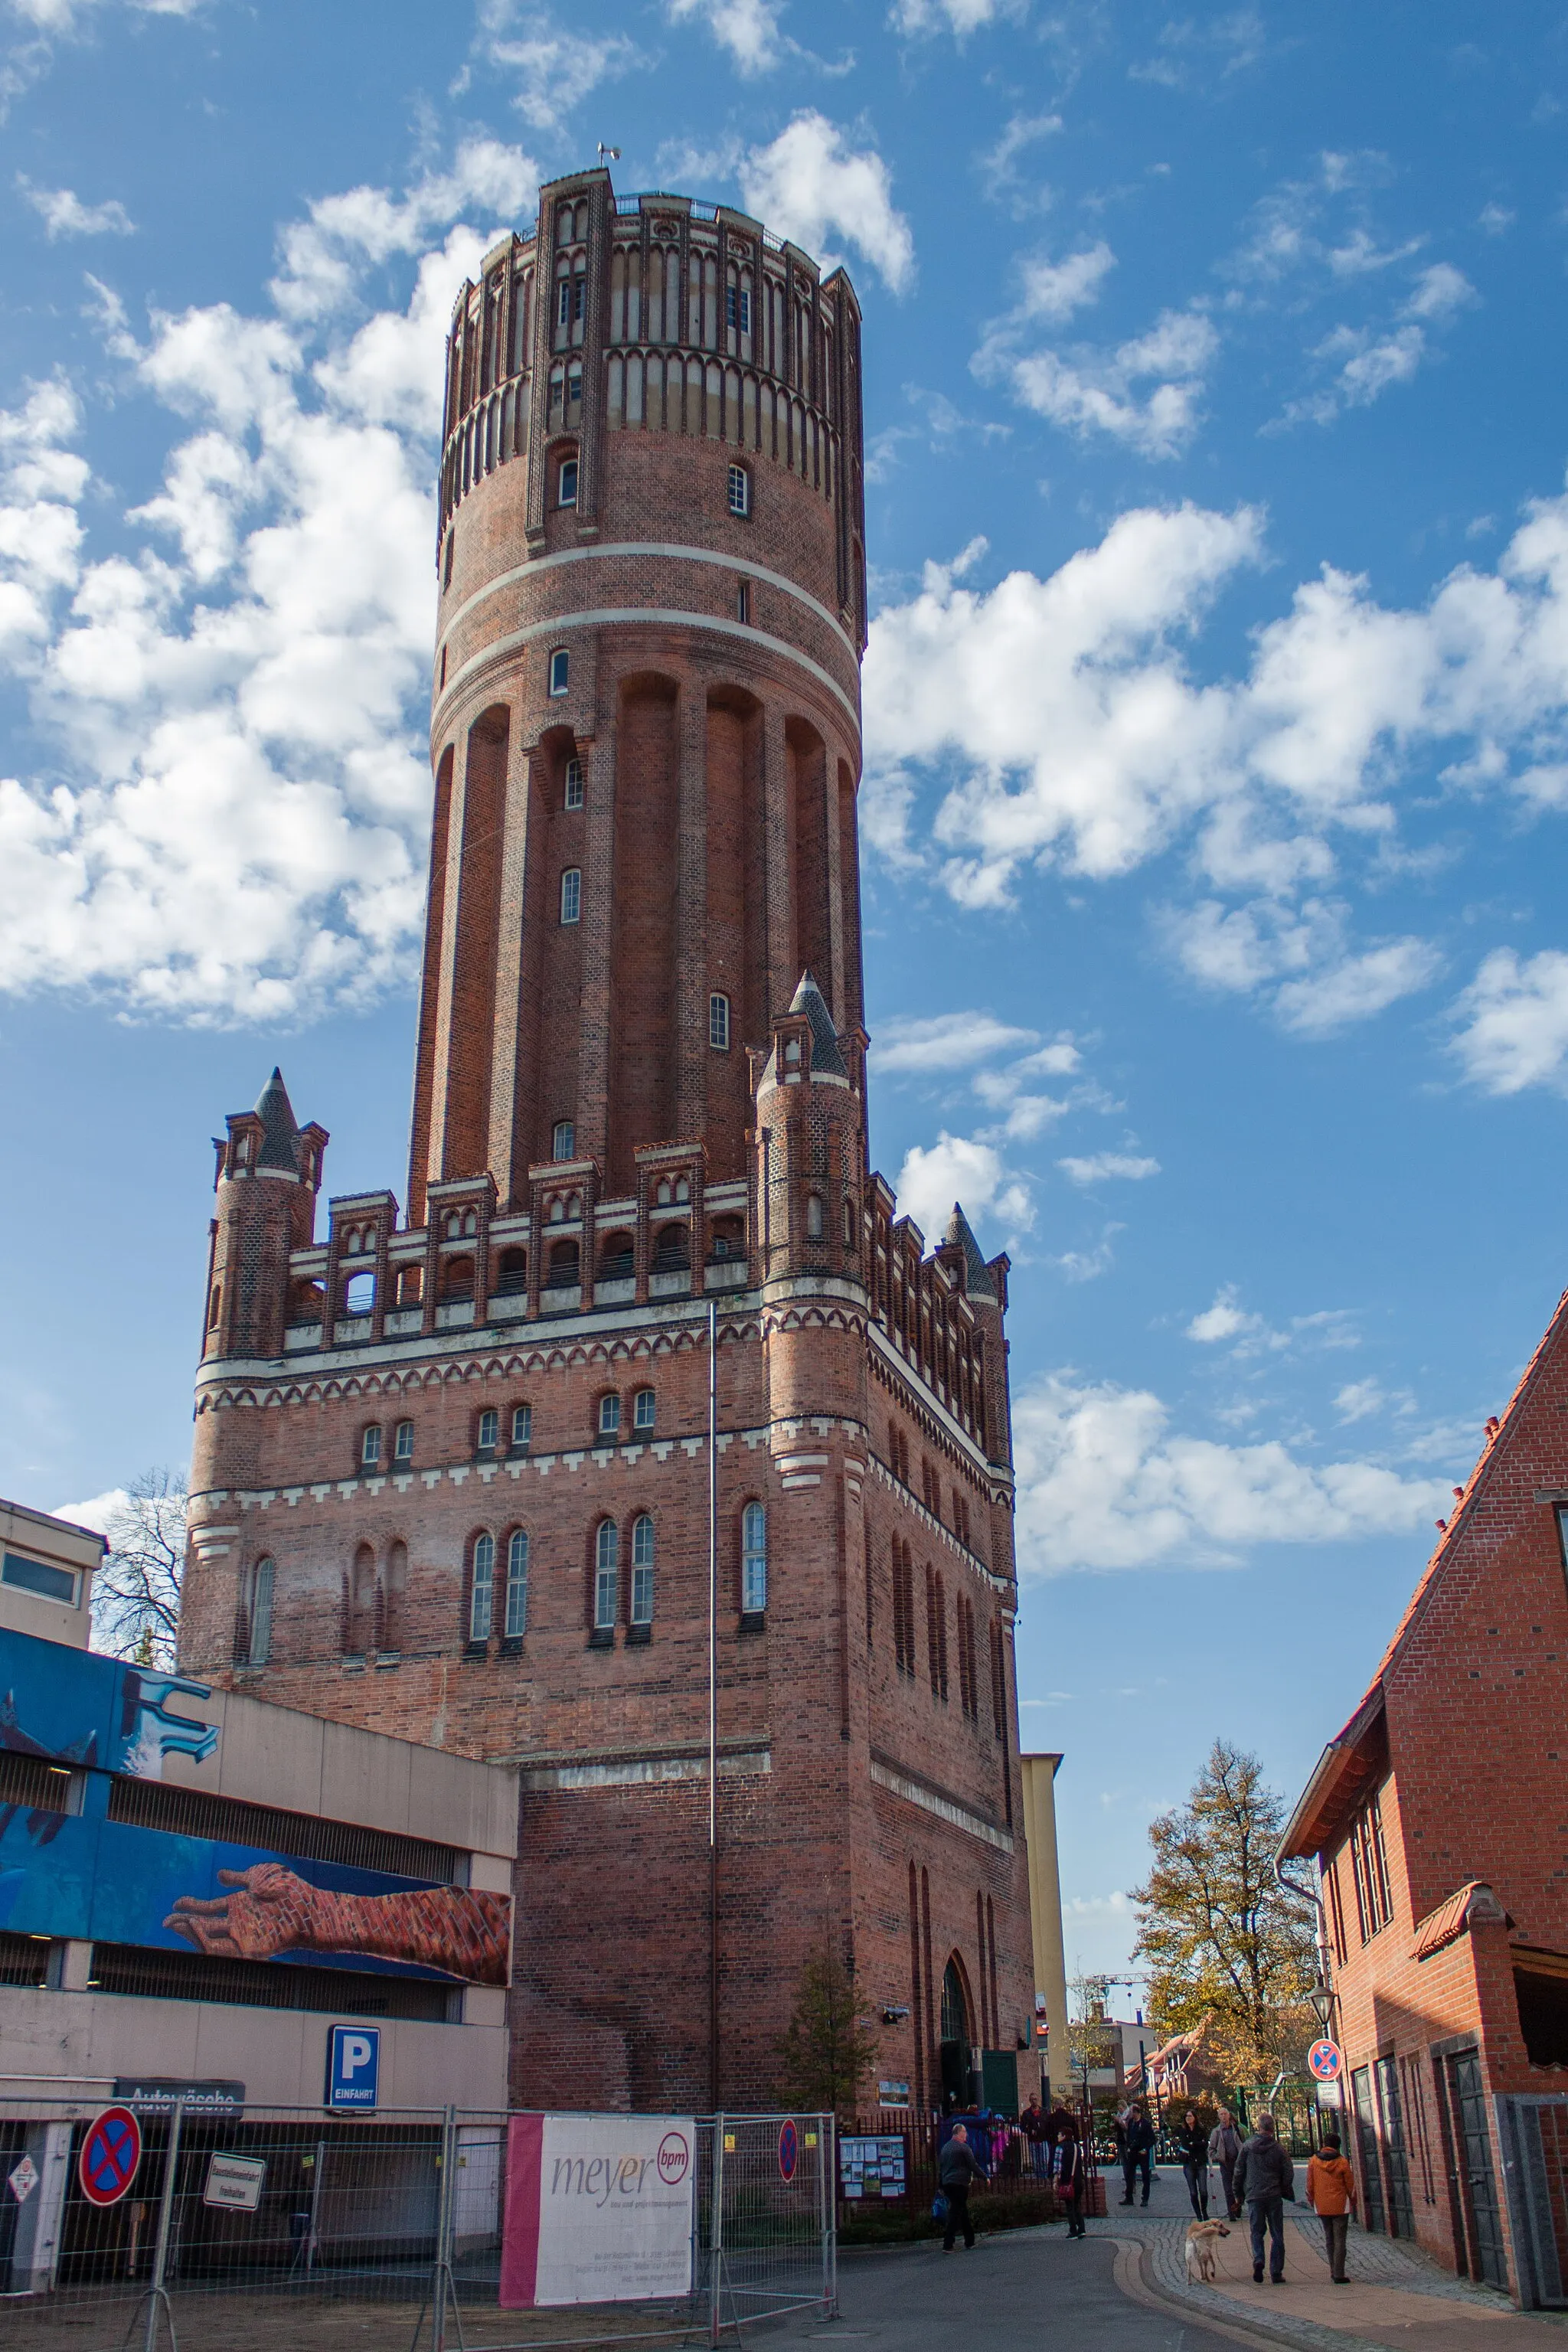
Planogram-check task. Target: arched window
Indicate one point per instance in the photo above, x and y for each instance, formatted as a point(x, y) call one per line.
point(566, 483)
point(672, 1250)
point(753, 1559)
point(402, 1442)
point(516, 1619)
point(390, 1635)
point(561, 677)
point(642, 1570)
point(258, 1644)
point(848, 1224)
point(521, 1427)
point(813, 1216)
point(606, 1577)
point(957, 2053)
point(739, 491)
point(481, 1598)
point(360, 1628)
point(617, 1257)
point(719, 1023)
point(563, 1266)
point(609, 1415)
point(572, 896)
point(458, 1278)
point(370, 1447)
point(512, 1273)
point(359, 1294)
point(488, 1433)
point(644, 1405)
point(214, 1308)
point(562, 1140)
point(574, 784)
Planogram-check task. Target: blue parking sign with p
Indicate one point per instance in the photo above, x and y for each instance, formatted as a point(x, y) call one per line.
point(353, 2062)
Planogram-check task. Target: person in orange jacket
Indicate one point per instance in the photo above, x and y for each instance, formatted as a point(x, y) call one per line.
point(1330, 2193)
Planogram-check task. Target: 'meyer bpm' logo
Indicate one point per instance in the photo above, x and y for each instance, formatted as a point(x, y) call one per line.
point(674, 2158)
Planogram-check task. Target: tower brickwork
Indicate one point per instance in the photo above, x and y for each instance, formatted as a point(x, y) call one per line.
point(475, 1443)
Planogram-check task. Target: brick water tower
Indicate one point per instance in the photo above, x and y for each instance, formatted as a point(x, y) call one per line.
point(652, 1397)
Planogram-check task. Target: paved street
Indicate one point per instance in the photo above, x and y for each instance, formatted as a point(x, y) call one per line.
point(1127, 2284)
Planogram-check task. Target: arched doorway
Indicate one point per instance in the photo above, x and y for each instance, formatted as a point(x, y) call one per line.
point(957, 2053)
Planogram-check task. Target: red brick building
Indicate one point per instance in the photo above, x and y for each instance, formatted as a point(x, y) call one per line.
point(1439, 1819)
point(453, 1473)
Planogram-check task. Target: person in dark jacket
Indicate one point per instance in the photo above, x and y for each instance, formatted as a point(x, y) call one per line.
point(1137, 2149)
point(1072, 2178)
point(1225, 2148)
point(1193, 2148)
point(956, 2166)
point(1036, 2132)
point(1265, 2176)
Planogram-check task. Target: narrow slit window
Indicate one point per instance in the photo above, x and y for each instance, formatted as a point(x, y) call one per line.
point(755, 1559)
point(719, 1024)
point(566, 483)
point(262, 1612)
point(642, 1570)
point(739, 491)
point(481, 1601)
point(606, 1577)
point(572, 896)
point(574, 784)
point(516, 1586)
point(560, 671)
point(744, 604)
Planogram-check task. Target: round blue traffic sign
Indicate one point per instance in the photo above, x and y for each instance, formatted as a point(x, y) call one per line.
point(109, 2155)
point(789, 2150)
point(1324, 2062)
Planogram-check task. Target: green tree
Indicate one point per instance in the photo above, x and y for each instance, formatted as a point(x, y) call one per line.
point(827, 2051)
point(1219, 1938)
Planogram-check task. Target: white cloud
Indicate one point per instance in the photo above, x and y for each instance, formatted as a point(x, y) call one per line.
point(1371, 359)
point(809, 185)
point(1054, 289)
point(1360, 1400)
point(1225, 1320)
point(749, 29)
point(554, 70)
point(1089, 1265)
point(1361, 253)
point(1101, 1165)
point(95, 1514)
point(1063, 723)
point(1094, 392)
point(964, 1168)
point(1496, 218)
point(961, 18)
point(950, 1041)
point(1105, 1483)
point(236, 826)
point(64, 214)
point(1515, 1022)
point(1358, 988)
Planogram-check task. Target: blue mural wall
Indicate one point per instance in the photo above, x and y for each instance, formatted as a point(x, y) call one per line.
point(83, 1876)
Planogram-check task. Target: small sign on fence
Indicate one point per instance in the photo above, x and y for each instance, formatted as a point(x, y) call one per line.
point(598, 2210)
point(235, 2182)
point(22, 2180)
point(109, 2155)
point(873, 2167)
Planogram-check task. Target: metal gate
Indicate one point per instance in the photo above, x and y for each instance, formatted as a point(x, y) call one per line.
point(1534, 2134)
point(1473, 2156)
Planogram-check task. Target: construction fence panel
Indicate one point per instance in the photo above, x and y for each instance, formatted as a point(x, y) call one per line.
point(239, 2231)
point(1533, 2135)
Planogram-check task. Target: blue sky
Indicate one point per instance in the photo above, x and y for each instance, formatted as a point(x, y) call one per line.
point(1216, 725)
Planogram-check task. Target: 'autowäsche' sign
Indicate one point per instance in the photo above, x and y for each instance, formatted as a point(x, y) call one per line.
point(598, 2209)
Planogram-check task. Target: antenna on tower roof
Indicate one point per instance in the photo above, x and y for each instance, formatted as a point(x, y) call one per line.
point(613, 153)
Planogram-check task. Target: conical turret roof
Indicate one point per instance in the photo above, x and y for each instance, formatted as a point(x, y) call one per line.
point(280, 1131)
point(825, 1054)
point(960, 1235)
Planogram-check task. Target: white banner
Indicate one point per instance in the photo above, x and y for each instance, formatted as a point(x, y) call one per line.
point(598, 2209)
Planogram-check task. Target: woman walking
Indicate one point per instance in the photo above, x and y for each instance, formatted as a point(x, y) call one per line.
point(1225, 2146)
point(1070, 2180)
point(1193, 2146)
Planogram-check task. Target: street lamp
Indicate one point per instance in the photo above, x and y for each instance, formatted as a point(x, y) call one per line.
point(1322, 2001)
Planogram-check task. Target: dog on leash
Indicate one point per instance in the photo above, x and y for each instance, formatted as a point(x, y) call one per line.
point(1200, 2260)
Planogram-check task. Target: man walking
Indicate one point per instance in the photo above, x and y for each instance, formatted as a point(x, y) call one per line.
point(1036, 2132)
point(1330, 2193)
point(1265, 2176)
point(956, 2166)
point(1137, 2149)
point(1225, 2146)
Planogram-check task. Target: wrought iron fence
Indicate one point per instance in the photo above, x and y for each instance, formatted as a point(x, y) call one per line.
point(244, 2230)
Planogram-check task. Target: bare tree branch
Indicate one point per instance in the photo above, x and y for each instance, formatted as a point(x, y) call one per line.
point(136, 1593)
